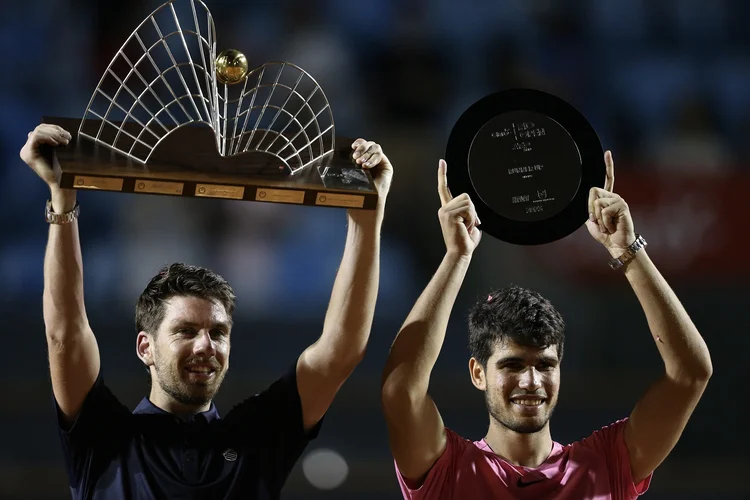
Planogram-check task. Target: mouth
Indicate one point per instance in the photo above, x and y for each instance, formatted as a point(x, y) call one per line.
point(528, 404)
point(200, 372)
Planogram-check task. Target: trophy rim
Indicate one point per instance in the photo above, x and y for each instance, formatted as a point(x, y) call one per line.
point(593, 169)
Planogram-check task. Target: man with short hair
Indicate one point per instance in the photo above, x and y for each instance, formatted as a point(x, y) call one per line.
point(174, 444)
point(516, 340)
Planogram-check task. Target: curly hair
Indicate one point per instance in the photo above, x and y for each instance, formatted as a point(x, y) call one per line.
point(516, 314)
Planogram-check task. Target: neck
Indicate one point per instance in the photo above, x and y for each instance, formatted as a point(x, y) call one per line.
point(526, 450)
point(164, 401)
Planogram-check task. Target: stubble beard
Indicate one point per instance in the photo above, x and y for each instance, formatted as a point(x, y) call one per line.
point(196, 394)
point(502, 417)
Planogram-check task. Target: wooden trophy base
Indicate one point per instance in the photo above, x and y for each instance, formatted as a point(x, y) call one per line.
point(187, 163)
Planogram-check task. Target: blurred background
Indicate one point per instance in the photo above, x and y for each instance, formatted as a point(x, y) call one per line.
point(665, 84)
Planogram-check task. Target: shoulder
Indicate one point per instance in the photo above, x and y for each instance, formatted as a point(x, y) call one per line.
point(272, 405)
point(458, 443)
point(279, 390)
point(606, 448)
point(101, 412)
point(604, 440)
point(98, 433)
point(458, 452)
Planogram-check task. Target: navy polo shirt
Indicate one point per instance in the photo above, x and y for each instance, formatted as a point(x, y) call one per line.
point(152, 454)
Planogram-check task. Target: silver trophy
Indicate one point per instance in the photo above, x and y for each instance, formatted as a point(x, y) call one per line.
point(171, 116)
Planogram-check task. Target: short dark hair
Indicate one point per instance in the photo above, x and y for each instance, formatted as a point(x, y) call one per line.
point(175, 280)
point(516, 314)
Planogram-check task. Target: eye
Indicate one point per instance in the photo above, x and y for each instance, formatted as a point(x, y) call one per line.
point(513, 366)
point(185, 332)
point(219, 333)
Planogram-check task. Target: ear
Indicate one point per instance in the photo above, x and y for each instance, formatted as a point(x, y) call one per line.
point(144, 348)
point(478, 375)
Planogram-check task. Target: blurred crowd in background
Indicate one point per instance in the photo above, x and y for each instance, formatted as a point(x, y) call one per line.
point(665, 84)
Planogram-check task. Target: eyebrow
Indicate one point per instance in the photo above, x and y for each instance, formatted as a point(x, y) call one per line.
point(517, 359)
point(190, 324)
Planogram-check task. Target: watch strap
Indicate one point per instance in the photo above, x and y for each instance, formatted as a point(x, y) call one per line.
point(65, 218)
point(629, 254)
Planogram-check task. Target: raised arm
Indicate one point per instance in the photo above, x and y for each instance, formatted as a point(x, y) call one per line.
point(658, 419)
point(73, 352)
point(324, 366)
point(415, 427)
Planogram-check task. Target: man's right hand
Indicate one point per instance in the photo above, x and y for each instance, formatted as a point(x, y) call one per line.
point(71, 346)
point(52, 135)
point(458, 218)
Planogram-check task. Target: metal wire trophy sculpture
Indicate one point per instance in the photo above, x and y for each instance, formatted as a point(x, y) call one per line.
point(170, 116)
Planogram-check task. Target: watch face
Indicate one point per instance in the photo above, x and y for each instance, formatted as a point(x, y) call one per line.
point(528, 160)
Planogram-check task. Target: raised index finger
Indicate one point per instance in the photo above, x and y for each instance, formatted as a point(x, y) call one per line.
point(609, 183)
point(443, 191)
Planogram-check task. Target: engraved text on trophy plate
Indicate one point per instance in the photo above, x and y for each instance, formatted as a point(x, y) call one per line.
point(525, 166)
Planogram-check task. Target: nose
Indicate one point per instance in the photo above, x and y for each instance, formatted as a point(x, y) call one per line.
point(531, 379)
point(204, 345)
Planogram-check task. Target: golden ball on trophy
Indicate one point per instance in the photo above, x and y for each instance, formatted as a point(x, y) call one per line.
point(231, 67)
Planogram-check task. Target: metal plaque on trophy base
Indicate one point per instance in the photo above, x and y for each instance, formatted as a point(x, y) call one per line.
point(171, 117)
point(528, 159)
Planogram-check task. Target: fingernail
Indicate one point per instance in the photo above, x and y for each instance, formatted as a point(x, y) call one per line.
point(591, 217)
point(367, 164)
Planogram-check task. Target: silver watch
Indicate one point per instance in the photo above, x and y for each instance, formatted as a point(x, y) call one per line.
point(629, 254)
point(65, 218)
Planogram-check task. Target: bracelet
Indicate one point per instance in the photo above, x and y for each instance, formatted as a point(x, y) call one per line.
point(65, 218)
point(629, 254)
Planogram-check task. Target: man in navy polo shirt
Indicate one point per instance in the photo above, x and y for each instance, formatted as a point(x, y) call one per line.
point(175, 445)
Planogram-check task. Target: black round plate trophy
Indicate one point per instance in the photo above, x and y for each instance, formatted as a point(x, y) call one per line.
point(528, 160)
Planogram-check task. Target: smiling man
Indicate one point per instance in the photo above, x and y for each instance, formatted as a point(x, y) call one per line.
point(175, 444)
point(184, 320)
point(516, 339)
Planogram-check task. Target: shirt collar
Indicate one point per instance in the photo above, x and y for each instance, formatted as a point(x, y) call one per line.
point(147, 407)
point(553, 465)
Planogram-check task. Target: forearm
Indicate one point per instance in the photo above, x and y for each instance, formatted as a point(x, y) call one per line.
point(685, 354)
point(418, 343)
point(64, 311)
point(352, 306)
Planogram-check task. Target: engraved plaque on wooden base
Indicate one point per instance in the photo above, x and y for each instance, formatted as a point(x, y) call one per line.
point(186, 163)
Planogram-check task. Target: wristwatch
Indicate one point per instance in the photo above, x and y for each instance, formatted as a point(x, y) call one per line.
point(65, 218)
point(629, 254)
